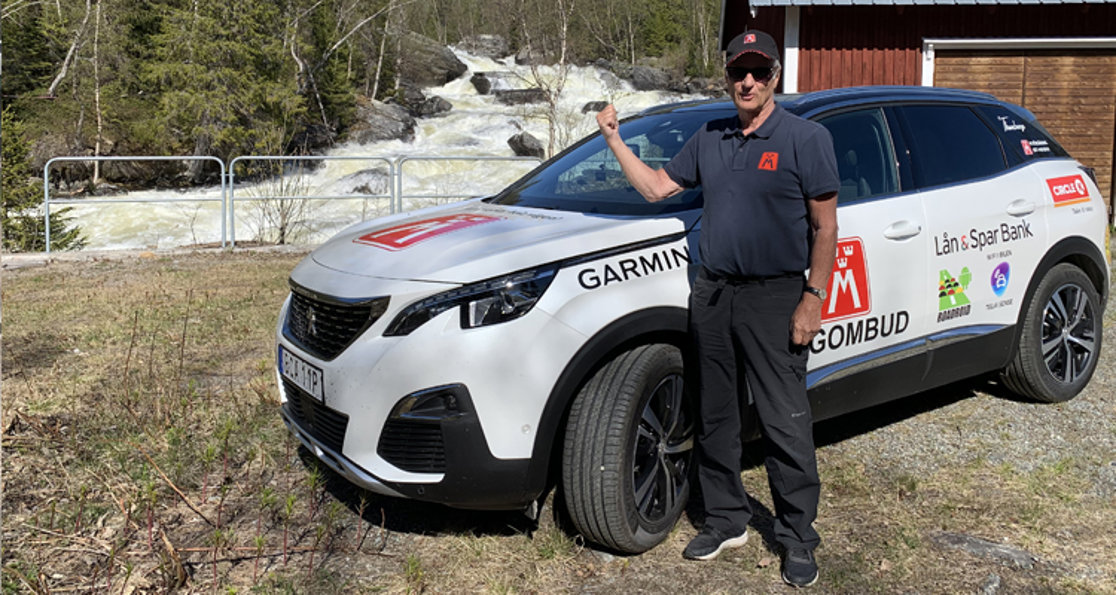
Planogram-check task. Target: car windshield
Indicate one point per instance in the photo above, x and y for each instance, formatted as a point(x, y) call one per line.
point(587, 178)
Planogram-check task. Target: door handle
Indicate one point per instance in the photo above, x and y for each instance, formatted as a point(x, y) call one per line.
point(901, 230)
point(1021, 207)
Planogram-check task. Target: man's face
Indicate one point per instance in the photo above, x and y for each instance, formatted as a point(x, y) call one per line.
point(751, 82)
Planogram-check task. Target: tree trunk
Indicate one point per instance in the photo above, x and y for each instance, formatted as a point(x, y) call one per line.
point(72, 54)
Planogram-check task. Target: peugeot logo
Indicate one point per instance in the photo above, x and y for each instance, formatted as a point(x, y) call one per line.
point(311, 322)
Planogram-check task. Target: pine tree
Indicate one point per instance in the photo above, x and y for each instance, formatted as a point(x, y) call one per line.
point(20, 214)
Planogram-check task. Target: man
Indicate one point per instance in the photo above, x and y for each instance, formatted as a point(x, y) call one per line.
point(770, 184)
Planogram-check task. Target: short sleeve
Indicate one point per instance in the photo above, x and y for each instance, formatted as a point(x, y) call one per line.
point(683, 168)
point(818, 164)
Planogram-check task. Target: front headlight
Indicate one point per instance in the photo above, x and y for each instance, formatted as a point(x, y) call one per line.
point(487, 302)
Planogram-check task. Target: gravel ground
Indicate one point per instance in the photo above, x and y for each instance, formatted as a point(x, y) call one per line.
point(922, 434)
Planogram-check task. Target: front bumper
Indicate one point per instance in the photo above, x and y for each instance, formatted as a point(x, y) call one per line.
point(451, 447)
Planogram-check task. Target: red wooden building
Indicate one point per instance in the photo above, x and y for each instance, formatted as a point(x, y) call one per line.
point(1056, 58)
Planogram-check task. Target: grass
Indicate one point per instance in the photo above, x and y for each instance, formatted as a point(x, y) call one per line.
point(143, 451)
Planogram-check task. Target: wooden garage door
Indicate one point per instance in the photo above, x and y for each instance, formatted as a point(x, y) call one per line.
point(1072, 92)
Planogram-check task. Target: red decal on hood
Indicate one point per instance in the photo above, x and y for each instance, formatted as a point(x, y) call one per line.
point(408, 234)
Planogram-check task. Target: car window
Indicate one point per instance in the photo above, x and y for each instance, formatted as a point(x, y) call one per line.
point(1023, 138)
point(587, 178)
point(950, 143)
point(865, 157)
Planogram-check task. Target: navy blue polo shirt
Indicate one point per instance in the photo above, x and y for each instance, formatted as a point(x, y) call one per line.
point(756, 187)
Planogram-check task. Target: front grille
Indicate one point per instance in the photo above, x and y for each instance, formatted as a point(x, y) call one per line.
point(325, 326)
point(413, 445)
point(324, 424)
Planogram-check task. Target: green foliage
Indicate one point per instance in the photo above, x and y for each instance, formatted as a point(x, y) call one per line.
point(20, 214)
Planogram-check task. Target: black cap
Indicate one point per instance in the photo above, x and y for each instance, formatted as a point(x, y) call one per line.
point(751, 42)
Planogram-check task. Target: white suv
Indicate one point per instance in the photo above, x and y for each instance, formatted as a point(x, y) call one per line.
point(479, 353)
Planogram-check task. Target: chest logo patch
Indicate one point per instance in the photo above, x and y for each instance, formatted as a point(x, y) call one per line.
point(769, 161)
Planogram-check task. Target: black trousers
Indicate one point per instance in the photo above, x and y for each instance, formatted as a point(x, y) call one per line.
point(741, 330)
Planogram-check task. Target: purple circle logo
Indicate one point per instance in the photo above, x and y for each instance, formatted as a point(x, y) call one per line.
point(1000, 277)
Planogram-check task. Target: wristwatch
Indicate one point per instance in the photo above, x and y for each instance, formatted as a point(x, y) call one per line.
point(821, 293)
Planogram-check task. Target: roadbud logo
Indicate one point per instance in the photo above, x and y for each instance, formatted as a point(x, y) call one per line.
point(1068, 190)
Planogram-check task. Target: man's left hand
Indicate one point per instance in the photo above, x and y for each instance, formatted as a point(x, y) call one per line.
point(806, 321)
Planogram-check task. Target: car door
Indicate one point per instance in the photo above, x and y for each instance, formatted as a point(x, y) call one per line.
point(986, 233)
point(871, 320)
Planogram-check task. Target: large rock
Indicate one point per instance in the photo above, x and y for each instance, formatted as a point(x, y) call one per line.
point(314, 139)
point(526, 145)
point(379, 121)
point(420, 106)
point(427, 63)
point(593, 107)
point(481, 83)
point(521, 96)
point(488, 46)
point(647, 78)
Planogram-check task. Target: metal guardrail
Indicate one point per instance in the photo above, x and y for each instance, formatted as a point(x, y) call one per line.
point(228, 197)
point(290, 159)
point(86, 201)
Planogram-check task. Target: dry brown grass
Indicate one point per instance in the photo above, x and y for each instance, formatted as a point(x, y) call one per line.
point(142, 452)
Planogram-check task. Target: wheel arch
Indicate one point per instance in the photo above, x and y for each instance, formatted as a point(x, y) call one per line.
point(1075, 250)
point(653, 325)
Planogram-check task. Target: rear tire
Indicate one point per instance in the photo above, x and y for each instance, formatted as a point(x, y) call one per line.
point(629, 448)
point(1060, 340)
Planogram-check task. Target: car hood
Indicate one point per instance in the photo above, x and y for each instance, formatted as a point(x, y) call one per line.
point(465, 242)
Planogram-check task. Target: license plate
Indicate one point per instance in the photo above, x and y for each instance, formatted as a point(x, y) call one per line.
point(303, 374)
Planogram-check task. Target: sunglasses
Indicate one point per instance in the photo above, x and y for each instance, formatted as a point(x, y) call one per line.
point(759, 73)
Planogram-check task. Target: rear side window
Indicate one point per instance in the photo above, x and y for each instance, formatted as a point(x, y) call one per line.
point(865, 158)
point(949, 144)
point(1023, 138)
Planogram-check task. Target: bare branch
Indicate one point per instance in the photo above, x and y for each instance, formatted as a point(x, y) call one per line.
point(73, 51)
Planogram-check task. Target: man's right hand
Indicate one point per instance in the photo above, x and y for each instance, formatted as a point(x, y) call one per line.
point(606, 119)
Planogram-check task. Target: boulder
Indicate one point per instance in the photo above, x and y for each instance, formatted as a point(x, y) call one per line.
point(521, 96)
point(593, 107)
point(433, 106)
point(647, 78)
point(481, 83)
point(488, 46)
point(379, 121)
point(427, 63)
point(311, 140)
point(526, 145)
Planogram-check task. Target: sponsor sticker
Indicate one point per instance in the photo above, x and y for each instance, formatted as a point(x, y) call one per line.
point(1068, 190)
point(952, 301)
point(980, 239)
point(1001, 276)
point(1027, 150)
point(849, 291)
point(406, 235)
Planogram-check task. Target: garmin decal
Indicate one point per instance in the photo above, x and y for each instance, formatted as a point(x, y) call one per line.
point(633, 267)
point(406, 235)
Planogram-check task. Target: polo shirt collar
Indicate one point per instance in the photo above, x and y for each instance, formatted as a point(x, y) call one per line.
point(766, 129)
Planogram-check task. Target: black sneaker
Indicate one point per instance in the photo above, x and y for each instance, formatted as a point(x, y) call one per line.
point(710, 542)
point(799, 567)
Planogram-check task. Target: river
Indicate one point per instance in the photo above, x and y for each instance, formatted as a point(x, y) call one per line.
point(478, 125)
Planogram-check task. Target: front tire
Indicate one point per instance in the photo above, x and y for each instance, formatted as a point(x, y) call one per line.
point(629, 450)
point(1060, 340)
